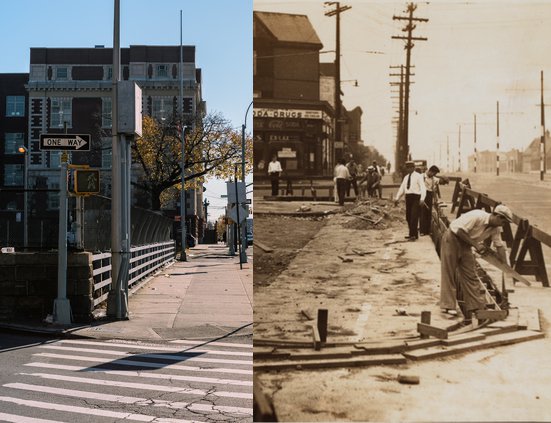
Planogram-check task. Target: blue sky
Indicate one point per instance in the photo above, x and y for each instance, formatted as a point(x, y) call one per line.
point(221, 30)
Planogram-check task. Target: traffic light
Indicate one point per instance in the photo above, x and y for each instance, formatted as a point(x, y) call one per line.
point(87, 181)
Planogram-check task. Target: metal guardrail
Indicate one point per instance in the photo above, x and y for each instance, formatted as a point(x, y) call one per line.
point(144, 260)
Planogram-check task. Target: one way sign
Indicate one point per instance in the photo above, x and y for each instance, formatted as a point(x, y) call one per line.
point(70, 142)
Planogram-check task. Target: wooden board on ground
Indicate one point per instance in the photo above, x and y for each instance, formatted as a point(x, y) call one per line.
point(491, 314)
point(529, 318)
point(263, 247)
point(263, 407)
point(489, 342)
point(503, 326)
point(331, 363)
point(272, 353)
point(425, 329)
point(463, 339)
point(316, 338)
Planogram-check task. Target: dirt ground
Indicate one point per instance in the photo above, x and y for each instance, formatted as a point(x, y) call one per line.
point(379, 295)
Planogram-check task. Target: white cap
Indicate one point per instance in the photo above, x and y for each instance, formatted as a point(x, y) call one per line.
point(504, 211)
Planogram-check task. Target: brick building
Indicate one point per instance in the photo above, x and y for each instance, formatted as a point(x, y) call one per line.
point(290, 119)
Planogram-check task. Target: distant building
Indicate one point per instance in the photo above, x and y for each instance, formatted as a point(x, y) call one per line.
point(486, 161)
point(531, 155)
point(70, 88)
point(290, 118)
point(13, 133)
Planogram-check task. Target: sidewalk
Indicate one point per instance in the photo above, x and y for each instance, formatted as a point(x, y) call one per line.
point(206, 297)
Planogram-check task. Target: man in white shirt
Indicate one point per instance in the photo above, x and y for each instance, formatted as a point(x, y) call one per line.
point(413, 186)
point(458, 263)
point(274, 169)
point(431, 184)
point(342, 175)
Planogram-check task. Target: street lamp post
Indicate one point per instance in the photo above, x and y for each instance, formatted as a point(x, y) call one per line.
point(25, 151)
point(244, 227)
point(183, 256)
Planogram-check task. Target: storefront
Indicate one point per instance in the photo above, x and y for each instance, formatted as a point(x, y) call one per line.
point(301, 139)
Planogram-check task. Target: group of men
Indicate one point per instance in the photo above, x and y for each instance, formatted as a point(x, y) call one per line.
point(351, 175)
point(420, 191)
point(459, 280)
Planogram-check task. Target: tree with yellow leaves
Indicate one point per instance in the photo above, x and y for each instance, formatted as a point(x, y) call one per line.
point(212, 147)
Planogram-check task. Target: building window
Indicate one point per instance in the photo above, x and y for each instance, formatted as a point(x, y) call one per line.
point(106, 110)
point(53, 197)
point(61, 73)
point(61, 112)
point(106, 150)
point(162, 71)
point(162, 108)
point(13, 142)
point(109, 73)
point(55, 159)
point(13, 174)
point(15, 106)
point(188, 105)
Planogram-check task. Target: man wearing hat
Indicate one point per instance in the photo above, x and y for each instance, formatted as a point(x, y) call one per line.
point(457, 260)
point(431, 184)
point(413, 186)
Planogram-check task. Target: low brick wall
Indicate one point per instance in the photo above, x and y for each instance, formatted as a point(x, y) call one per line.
point(28, 285)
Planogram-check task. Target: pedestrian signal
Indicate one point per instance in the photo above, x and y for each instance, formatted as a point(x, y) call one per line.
point(87, 181)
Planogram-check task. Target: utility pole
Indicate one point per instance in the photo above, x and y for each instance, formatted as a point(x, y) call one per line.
point(182, 128)
point(497, 142)
point(408, 46)
point(459, 150)
point(543, 164)
point(338, 105)
point(475, 152)
point(400, 150)
point(448, 152)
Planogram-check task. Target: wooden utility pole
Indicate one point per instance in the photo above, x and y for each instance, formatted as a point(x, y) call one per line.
point(475, 152)
point(338, 105)
point(543, 164)
point(459, 150)
point(497, 142)
point(400, 146)
point(408, 46)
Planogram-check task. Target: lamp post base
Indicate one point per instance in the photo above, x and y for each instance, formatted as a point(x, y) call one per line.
point(62, 311)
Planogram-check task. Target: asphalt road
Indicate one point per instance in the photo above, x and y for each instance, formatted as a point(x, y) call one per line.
point(98, 381)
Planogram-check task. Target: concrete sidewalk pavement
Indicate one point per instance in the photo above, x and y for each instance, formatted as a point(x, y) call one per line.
point(206, 297)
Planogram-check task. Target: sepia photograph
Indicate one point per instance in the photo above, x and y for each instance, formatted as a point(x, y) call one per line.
point(402, 195)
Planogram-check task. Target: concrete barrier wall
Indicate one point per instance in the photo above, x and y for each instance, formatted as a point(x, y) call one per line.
point(28, 285)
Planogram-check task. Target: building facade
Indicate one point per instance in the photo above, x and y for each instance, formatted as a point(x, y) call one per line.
point(13, 133)
point(289, 118)
point(70, 90)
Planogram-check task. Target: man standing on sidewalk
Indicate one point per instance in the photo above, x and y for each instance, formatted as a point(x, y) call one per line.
point(341, 177)
point(413, 186)
point(457, 260)
point(274, 169)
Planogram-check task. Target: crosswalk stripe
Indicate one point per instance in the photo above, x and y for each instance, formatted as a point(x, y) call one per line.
point(12, 418)
point(157, 348)
point(133, 363)
point(90, 411)
point(218, 344)
point(176, 357)
point(128, 400)
point(143, 374)
point(103, 382)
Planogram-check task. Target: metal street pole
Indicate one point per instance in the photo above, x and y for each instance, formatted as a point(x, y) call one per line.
point(244, 228)
point(25, 151)
point(183, 128)
point(62, 306)
point(238, 223)
point(117, 305)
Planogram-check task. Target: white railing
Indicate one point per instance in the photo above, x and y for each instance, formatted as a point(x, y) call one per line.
point(144, 260)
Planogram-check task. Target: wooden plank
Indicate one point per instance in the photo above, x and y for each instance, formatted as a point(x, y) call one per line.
point(491, 314)
point(529, 317)
point(491, 258)
point(263, 409)
point(489, 342)
point(463, 338)
point(429, 330)
point(326, 354)
point(270, 353)
point(316, 338)
point(395, 347)
point(331, 363)
point(263, 247)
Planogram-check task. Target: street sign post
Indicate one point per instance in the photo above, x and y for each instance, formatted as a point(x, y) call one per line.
point(67, 142)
